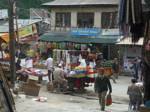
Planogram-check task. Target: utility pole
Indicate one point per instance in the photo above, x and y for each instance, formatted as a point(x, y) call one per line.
point(12, 42)
point(16, 20)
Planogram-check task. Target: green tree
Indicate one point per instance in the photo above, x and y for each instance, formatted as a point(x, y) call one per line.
point(24, 6)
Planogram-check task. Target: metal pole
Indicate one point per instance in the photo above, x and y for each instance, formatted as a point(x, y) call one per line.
point(12, 42)
point(108, 52)
point(119, 55)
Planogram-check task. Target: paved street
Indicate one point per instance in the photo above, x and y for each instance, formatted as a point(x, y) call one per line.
point(87, 102)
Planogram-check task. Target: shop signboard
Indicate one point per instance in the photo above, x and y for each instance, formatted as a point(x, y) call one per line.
point(85, 31)
point(110, 31)
point(128, 64)
point(28, 30)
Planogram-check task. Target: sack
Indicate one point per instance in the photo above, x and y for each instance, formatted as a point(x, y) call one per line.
point(108, 100)
point(49, 86)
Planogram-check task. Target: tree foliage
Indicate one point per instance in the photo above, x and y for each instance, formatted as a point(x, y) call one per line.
point(24, 6)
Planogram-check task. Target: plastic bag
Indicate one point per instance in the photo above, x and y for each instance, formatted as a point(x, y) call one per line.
point(108, 100)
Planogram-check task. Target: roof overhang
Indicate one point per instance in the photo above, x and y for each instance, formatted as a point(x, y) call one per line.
point(128, 41)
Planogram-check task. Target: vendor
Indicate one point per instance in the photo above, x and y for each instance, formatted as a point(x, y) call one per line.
point(4, 46)
point(2, 54)
point(59, 77)
point(22, 55)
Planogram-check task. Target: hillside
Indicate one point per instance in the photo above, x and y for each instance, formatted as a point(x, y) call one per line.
point(24, 6)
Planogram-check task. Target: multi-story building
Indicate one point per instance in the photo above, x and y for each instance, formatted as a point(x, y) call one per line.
point(83, 14)
point(68, 14)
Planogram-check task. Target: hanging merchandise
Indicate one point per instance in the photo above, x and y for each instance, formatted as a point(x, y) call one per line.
point(67, 46)
point(70, 46)
point(146, 59)
point(43, 47)
point(83, 63)
point(131, 19)
point(55, 45)
point(76, 46)
point(60, 46)
point(82, 47)
point(40, 47)
point(63, 45)
point(58, 56)
point(54, 57)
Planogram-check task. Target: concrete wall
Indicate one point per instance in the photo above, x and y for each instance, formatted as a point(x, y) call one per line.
point(131, 51)
point(97, 15)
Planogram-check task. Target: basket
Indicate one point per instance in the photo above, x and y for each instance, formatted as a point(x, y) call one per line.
point(144, 109)
point(49, 86)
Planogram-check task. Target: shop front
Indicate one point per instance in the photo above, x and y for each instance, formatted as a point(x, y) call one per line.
point(128, 51)
point(78, 53)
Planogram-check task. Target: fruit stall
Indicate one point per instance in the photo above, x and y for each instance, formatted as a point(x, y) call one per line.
point(81, 77)
point(106, 64)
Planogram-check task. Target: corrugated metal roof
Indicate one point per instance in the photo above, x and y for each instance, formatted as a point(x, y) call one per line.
point(21, 23)
point(81, 2)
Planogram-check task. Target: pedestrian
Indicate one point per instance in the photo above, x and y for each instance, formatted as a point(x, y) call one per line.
point(59, 77)
point(101, 85)
point(139, 69)
point(49, 65)
point(135, 88)
point(17, 51)
point(22, 55)
point(115, 68)
point(135, 61)
point(2, 54)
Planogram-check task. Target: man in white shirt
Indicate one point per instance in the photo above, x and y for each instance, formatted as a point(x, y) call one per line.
point(49, 65)
point(2, 54)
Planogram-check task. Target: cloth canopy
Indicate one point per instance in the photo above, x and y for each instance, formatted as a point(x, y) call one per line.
point(77, 39)
point(5, 36)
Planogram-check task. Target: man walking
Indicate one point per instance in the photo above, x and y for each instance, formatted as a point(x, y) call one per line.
point(115, 68)
point(102, 83)
point(135, 88)
point(49, 65)
point(135, 61)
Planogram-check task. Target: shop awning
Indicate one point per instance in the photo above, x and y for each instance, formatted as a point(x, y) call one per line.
point(80, 40)
point(104, 40)
point(52, 38)
point(77, 39)
point(5, 36)
point(128, 41)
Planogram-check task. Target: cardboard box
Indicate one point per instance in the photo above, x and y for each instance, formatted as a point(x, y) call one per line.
point(144, 109)
point(33, 79)
point(30, 89)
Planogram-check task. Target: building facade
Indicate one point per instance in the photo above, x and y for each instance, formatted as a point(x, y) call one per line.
point(84, 14)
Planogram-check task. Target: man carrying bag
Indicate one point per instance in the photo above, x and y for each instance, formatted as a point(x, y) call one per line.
point(101, 85)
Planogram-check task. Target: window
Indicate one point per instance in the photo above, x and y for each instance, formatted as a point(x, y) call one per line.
point(109, 20)
point(63, 19)
point(85, 19)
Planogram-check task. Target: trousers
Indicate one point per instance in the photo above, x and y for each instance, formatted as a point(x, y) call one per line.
point(102, 97)
point(115, 75)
